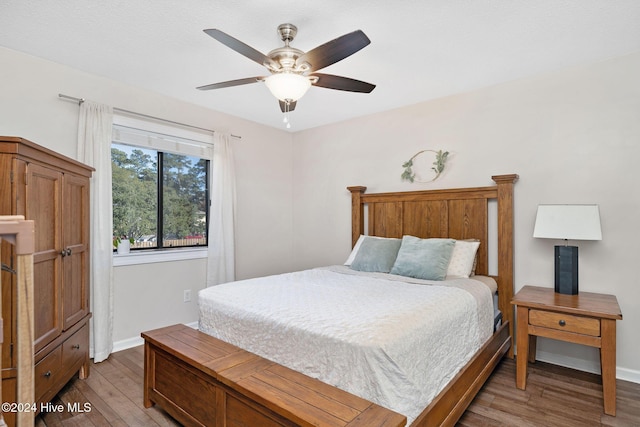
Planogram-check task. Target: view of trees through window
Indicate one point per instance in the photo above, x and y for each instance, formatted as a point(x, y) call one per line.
point(145, 206)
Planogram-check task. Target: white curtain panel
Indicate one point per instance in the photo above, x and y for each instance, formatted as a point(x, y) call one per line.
point(94, 149)
point(222, 215)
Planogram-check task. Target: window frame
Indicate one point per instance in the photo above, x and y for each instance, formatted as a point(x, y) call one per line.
point(205, 141)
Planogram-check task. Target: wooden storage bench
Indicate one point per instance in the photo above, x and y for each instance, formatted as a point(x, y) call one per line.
point(203, 381)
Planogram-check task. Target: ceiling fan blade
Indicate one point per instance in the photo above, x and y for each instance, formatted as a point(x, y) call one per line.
point(290, 108)
point(330, 81)
point(239, 47)
point(334, 51)
point(230, 83)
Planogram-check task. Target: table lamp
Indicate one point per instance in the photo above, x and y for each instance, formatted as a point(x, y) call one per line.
point(567, 222)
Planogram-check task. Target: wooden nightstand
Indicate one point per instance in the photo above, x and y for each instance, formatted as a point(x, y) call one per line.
point(586, 318)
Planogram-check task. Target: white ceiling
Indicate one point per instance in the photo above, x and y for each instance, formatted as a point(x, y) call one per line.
point(420, 49)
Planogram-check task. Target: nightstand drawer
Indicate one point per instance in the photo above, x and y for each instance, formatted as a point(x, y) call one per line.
point(565, 322)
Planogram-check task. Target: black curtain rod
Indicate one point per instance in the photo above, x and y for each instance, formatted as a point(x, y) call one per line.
point(120, 110)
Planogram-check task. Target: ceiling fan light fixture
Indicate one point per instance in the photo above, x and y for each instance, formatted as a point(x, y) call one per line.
point(287, 87)
point(292, 71)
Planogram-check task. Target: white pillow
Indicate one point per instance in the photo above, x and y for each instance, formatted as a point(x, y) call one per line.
point(354, 251)
point(462, 258)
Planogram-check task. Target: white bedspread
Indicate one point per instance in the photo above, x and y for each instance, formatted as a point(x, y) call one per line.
point(375, 335)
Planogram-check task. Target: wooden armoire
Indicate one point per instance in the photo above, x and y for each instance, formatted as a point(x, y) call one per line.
point(52, 190)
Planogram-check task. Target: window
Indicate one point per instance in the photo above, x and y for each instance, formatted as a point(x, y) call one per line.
point(160, 189)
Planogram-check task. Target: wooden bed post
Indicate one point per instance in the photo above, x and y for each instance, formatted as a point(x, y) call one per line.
point(21, 233)
point(357, 213)
point(505, 247)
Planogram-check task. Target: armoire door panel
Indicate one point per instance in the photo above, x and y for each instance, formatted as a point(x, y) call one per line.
point(75, 230)
point(47, 298)
point(75, 214)
point(43, 205)
point(75, 304)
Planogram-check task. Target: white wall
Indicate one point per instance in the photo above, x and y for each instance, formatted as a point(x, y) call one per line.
point(572, 136)
point(150, 296)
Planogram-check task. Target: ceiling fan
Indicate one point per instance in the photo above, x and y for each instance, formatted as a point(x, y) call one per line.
point(294, 71)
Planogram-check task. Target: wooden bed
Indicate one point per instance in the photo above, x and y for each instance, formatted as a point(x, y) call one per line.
point(461, 213)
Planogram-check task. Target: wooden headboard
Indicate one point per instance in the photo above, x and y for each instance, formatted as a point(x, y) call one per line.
point(459, 213)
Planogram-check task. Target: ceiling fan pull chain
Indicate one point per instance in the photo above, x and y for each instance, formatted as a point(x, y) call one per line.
point(285, 119)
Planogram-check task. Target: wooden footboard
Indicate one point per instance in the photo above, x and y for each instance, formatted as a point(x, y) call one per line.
point(202, 381)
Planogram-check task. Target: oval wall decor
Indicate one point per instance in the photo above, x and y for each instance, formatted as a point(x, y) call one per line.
point(417, 169)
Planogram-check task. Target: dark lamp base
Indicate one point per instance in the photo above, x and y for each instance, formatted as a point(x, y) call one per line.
point(566, 274)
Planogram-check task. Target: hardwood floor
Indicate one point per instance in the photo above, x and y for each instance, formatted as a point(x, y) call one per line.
point(555, 396)
point(114, 392)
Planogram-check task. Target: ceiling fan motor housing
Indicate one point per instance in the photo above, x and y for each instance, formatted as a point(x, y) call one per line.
point(287, 56)
point(287, 32)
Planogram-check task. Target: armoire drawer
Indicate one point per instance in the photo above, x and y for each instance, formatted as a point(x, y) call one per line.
point(75, 349)
point(46, 372)
point(55, 369)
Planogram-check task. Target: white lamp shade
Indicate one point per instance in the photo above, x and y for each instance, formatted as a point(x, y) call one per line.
point(288, 86)
point(570, 222)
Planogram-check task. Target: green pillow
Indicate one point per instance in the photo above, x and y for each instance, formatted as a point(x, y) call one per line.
point(423, 258)
point(376, 255)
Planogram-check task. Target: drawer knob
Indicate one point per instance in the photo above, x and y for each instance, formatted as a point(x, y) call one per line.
point(47, 374)
point(76, 346)
point(562, 323)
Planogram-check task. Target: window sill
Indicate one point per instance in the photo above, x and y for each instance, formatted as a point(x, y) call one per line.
point(149, 257)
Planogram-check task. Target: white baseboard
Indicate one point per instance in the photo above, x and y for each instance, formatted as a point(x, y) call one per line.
point(585, 365)
point(136, 341)
point(628, 375)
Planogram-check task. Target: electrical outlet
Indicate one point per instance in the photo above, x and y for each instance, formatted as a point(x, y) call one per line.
point(187, 295)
